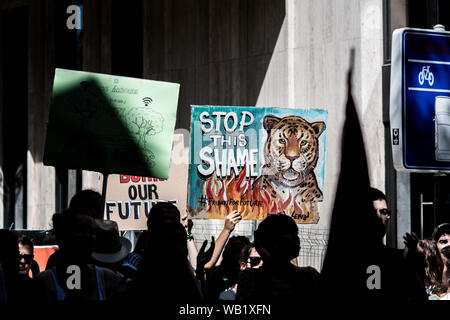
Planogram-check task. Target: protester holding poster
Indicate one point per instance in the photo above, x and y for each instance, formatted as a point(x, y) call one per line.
point(257, 161)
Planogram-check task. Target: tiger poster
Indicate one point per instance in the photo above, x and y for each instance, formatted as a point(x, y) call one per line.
point(258, 161)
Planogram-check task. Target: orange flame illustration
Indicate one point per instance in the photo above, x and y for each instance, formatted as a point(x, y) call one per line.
point(253, 202)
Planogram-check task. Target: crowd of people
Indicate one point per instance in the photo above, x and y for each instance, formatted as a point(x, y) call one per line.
point(93, 262)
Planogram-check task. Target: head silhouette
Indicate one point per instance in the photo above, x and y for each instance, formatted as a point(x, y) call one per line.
point(168, 240)
point(162, 212)
point(87, 202)
point(231, 257)
point(276, 239)
point(381, 208)
point(75, 235)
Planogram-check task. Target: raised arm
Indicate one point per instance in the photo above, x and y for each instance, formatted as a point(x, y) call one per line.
point(192, 248)
point(230, 222)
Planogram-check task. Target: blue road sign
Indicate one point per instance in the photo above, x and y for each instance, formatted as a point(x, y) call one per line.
point(420, 100)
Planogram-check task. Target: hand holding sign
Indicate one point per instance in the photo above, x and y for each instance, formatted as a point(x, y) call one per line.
point(232, 219)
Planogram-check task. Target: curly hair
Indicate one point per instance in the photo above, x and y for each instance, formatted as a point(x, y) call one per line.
point(433, 265)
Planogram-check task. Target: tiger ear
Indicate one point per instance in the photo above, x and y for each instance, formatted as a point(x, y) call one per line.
point(318, 127)
point(270, 122)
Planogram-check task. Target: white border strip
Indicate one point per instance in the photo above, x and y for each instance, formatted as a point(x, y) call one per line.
point(428, 61)
point(428, 89)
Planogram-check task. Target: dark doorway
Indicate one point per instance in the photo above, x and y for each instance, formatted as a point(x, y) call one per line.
point(14, 47)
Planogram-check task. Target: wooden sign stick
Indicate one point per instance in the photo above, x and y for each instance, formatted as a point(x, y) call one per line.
point(105, 184)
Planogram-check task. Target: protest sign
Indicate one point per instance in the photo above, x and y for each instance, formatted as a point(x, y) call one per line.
point(111, 124)
point(257, 161)
point(130, 198)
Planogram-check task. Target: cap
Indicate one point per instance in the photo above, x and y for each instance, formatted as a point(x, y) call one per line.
point(440, 230)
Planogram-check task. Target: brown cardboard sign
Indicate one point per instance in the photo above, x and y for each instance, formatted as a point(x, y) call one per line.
point(129, 199)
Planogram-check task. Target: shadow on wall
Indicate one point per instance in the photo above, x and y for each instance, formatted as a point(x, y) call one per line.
point(219, 51)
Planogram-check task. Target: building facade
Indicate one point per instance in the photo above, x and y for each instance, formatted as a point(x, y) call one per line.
point(269, 53)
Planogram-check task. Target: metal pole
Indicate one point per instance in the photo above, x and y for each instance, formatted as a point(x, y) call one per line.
point(421, 216)
point(105, 184)
point(421, 213)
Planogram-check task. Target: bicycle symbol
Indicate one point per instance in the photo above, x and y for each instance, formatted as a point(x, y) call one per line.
point(426, 74)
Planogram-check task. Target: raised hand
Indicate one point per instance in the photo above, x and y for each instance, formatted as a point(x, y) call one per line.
point(204, 256)
point(133, 260)
point(231, 220)
point(187, 223)
point(410, 250)
point(411, 241)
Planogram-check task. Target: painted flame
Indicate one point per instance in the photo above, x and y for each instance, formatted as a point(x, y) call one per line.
point(253, 202)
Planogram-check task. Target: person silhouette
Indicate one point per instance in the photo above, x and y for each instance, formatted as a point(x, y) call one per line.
point(277, 241)
point(162, 212)
point(85, 202)
point(9, 254)
point(165, 274)
point(224, 277)
point(73, 277)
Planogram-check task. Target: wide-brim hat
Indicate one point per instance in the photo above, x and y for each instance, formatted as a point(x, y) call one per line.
point(440, 230)
point(109, 247)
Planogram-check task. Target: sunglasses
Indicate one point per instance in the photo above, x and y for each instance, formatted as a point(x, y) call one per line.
point(254, 261)
point(26, 257)
point(386, 212)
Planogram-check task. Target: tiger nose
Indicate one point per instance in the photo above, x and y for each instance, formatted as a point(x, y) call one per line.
point(291, 158)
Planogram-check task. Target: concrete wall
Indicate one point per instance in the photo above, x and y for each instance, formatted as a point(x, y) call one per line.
point(219, 51)
point(308, 69)
point(40, 178)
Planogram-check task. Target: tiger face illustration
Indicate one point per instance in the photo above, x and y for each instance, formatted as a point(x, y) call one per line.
point(291, 154)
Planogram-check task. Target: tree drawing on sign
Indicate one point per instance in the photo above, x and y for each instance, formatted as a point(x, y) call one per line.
point(143, 125)
point(145, 122)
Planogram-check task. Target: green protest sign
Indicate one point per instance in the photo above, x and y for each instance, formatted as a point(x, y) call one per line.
point(111, 124)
